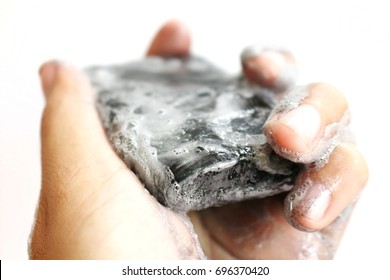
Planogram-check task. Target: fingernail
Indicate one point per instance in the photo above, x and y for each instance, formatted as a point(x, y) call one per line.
point(305, 121)
point(48, 72)
point(308, 202)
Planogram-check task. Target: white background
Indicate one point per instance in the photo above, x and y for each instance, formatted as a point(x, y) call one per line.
point(345, 43)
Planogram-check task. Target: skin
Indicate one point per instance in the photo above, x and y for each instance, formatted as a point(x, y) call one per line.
point(93, 207)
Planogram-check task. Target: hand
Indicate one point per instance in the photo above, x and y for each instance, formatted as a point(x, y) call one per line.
point(93, 207)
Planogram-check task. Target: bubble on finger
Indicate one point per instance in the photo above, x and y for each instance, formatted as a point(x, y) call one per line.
point(297, 193)
point(287, 78)
point(256, 49)
point(332, 135)
point(280, 73)
point(290, 101)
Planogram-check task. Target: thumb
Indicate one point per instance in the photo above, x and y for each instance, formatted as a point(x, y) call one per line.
point(72, 135)
point(80, 172)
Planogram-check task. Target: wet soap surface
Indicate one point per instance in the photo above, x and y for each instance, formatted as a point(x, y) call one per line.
point(191, 133)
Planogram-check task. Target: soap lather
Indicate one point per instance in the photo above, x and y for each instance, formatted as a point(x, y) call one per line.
point(190, 132)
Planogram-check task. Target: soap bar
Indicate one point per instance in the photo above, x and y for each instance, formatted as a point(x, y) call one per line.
point(191, 133)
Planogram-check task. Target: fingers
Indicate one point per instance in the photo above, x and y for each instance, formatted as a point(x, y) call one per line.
point(321, 200)
point(257, 229)
point(271, 68)
point(173, 39)
point(303, 125)
point(320, 195)
point(307, 126)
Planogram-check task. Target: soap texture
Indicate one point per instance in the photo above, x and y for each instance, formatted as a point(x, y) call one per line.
point(190, 132)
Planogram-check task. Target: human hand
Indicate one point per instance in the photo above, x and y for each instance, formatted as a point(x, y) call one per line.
point(93, 207)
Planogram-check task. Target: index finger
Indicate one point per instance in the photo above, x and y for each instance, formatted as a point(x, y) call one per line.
point(173, 39)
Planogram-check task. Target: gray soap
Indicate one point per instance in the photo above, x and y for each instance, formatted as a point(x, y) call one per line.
point(190, 132)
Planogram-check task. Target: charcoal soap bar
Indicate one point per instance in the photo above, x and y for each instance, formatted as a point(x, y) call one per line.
point(191, 133)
